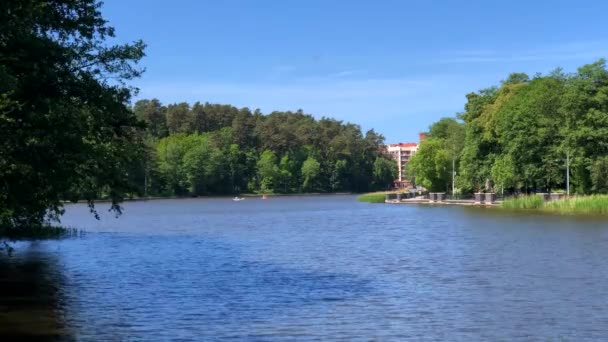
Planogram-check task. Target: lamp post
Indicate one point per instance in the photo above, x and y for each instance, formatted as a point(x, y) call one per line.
point(568, 173)
point(453, 175)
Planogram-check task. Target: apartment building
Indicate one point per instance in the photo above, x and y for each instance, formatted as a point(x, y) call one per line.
point(402, 152)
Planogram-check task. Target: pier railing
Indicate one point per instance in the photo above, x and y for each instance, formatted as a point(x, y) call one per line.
point(482, 198)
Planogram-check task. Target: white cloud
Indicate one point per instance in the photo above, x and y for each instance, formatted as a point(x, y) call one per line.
point(283, 68)
point(345, 73)
point(305, 90)
point(561, 52)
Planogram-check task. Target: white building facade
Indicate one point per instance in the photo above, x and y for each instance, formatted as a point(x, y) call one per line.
point(402, 153)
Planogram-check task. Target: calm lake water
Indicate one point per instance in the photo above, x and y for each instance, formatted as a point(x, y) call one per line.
point(314, 268)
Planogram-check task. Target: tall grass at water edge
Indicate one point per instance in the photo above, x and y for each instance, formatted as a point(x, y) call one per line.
point(373, 197)
point(524, 202)
point(594, 204)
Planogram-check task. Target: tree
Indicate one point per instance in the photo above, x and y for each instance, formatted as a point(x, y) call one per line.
point(236, 167)
point(452, 134)
point(199, 119)
point(267, 171)
point(431, 165)
point(199, 165)
point(517, 77)
point(179, 119)
point(503, 173)
point(66, 131)
point(584, 111)
point(345, 156)
point(286, 174)
point(152, 182)
point(339, 175)
point(171, 151)
point(385, 172)
point(154, 115)
point(599, 175)
point(310, 173)
point(243, 127)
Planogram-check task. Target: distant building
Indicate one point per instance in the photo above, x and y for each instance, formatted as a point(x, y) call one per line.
point(402, 152)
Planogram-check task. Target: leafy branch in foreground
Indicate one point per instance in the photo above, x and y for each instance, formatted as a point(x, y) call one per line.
point(66, 131)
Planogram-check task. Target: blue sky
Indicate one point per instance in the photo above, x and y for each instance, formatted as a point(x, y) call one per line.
point(395, 66)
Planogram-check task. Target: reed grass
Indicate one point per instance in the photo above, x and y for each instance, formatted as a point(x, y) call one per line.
point(594, 204)
point(524, 202)
point(373, 197)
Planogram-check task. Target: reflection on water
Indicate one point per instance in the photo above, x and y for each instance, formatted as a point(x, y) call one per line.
point(29, 296)
point(311, 269)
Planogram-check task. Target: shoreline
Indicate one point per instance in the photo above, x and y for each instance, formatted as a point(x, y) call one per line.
point(588, 205)
point(156, 198)
point(466, 203)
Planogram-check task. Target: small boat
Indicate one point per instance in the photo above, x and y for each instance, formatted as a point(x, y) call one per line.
point(264, 196)
point(236, 199)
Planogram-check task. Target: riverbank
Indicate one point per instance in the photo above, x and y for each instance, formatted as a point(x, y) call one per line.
point(248, 195)
point(444, 202)
point(594, 204)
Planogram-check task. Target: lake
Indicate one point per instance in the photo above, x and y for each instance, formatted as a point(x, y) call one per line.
point(311, 268)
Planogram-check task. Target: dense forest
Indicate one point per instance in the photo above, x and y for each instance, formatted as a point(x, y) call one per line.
point(205, 148)
point(522, 135)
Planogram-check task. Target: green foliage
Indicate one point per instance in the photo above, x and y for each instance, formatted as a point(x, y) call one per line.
point(310, 172)
point(516, 137)
point(340, 174)
point(236, 167)
point(170, 153)
point(66, 131)
point(524, 202)
point(268, 171)
point(517, 77)
point(385, 172)
point(178, 118)
point(220, 149)
point(594, 204)
point(288, 173)
point(374, 197)
point(599, 175)
point(503, 172)
point(154, 115)
point(431, 165)
point(202, 164)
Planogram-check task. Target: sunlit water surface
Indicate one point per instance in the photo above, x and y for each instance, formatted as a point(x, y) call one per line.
point(319, 268)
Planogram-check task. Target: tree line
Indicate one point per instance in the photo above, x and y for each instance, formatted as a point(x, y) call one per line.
point(206, 149)
point(521, 136)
